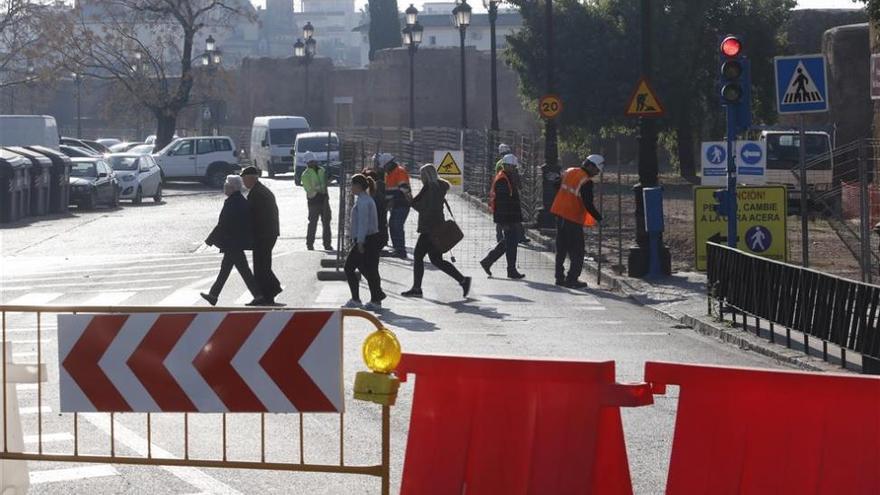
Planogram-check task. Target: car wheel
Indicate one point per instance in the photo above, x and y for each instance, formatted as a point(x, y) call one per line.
point(138, 196)
point(216, 178)
point(158, 196)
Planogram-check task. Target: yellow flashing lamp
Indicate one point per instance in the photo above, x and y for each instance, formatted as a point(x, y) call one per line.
point(381, 353)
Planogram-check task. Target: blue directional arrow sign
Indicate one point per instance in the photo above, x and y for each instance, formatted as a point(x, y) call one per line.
point(751, 153)
point(801, 84)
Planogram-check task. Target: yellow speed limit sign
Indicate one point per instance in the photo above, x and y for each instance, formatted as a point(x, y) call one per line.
point(550, 106)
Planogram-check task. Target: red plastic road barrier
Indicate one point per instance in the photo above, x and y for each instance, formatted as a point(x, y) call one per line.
point(488, 426)
point(754, 431)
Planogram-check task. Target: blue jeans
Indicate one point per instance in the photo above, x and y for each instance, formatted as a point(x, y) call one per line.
point(395, 226)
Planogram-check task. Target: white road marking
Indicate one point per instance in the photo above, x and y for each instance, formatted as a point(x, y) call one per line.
point(244, 298)
point(33, 410)
point(69, 474)
point(146, 272)
point(35, 298)
point(181, 297)
point(87, 283)
point(199, 479)
point(25, 387)
point(23, 355)
point(333, 294)
point(49, 437)
point(107, 298)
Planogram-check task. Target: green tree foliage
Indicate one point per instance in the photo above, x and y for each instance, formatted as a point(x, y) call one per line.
point(384, 25)
point(598, 58)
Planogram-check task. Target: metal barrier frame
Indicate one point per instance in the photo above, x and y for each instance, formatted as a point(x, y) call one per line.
point(381, 470)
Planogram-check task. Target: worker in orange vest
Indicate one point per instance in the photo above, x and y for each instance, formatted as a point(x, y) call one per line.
point(574, 209)
point(506, 212)
point(399, 195)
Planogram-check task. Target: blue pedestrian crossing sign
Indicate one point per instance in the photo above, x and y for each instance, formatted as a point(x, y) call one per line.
point(716, 154)
point(801, 84)
point(759, 238)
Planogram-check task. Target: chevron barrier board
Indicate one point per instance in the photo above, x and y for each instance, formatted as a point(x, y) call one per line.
point(279, 361)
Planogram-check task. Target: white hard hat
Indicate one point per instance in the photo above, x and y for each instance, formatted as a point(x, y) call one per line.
point(308, 157)
point(510, 159)
point(503, 149)
point(383, 159)
point(597, 160)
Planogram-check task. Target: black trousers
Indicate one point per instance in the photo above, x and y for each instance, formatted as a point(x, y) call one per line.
point(570, 244)
point(510, 237)
point(239, 261)
point(266, 279)
point(319, 207)
point(368, 264)
point(424, 247)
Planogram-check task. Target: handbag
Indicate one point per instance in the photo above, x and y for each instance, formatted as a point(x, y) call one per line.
point(446, 235)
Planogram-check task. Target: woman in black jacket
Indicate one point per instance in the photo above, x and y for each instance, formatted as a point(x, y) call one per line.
point(429, 203)
point(233, 235)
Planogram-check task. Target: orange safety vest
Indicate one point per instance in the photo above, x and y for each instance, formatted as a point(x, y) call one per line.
point(568, 203)
point(500, 175)
point(395, 178)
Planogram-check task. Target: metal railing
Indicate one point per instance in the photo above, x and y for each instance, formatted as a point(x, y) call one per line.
point(832, 309)
point(380, 470)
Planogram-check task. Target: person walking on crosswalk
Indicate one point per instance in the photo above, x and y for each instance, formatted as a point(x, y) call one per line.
point(506, 211)
point(264, 222)
point(574, 210)
point(233, 235)
point(314, 181)
point(364, 254)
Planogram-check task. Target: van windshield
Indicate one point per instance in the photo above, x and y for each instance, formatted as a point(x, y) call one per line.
point(317, 144)
point(283, 137)
point(783, 150)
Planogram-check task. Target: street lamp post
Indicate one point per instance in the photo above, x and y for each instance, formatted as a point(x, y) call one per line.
point(412, 37)
point(462, 16)
point(492, 6)
point(211, 60)
point(305, 51)
point(30, 84)
point(77, 82)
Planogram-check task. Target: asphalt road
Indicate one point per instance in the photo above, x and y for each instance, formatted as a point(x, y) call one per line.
point(153, 254)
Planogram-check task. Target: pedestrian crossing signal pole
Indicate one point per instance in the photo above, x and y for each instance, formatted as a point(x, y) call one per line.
point(735, 92)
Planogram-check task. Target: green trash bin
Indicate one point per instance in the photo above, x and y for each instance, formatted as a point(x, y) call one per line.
point(59, 178)
point(39, 180)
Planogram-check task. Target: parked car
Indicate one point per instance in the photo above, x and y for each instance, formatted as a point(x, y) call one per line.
point(317, 143)
point(206, 158)
point(100, 148)
point(92, 182)
point(108, 141)
point(151, 139)
point(77, 151)
point(142, 149)
point(29, 130)
point(272, 139)
point(138, 176)
point(124, 146)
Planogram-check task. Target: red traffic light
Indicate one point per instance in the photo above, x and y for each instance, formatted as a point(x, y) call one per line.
point(731, 46)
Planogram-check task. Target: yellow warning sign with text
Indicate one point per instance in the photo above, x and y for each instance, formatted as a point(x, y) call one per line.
point(644, 102)
point(450, 165)
point(762, 215)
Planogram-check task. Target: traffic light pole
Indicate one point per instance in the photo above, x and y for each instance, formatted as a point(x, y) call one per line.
point(731, 177)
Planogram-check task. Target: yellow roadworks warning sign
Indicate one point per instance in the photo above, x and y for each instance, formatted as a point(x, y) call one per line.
point(449, 165)
point(644, 102)
point(762, 215)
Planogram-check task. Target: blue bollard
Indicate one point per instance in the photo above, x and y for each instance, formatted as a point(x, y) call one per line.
point(653, 201)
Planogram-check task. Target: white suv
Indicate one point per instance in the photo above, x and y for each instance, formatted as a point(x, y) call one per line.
point(206, 158)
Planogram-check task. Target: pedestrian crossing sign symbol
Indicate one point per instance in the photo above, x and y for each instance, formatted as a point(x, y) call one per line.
point(449, 165)
point(759, 238)
point(801, 84)
point(644, 102)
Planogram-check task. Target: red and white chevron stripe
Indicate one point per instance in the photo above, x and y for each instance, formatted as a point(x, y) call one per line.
point(279, 361)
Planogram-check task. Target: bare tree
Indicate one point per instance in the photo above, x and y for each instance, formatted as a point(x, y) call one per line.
point(147, 47)
point(22, 38)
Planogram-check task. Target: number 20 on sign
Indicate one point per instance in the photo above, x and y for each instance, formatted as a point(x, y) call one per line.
point(550, 106)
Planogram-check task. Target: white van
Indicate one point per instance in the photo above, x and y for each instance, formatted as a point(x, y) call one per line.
point(272, 139)
point(29, 130)
point(317, 144)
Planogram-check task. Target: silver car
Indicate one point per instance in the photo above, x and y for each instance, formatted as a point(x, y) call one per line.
point(138, 175)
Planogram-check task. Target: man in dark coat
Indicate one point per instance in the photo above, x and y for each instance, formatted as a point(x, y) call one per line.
point(233, 236)
point(507, 213)
point(264, 223)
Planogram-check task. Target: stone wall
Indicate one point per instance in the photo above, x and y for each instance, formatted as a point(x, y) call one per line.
point(848, 54)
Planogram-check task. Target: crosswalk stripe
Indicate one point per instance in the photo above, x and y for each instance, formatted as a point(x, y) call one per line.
point(69, 474)
point(244, 298)
point(25, 387)
point(107, 298)
point(146, 272)
point(35, 298)
point(49, 437)
point(86, 283)
point(181, 297)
